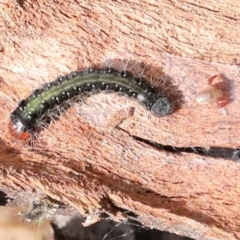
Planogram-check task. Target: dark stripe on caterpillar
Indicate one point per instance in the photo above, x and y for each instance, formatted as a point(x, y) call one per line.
point(24, 121)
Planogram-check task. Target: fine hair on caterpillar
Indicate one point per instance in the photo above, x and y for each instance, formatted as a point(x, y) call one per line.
point(47, 104)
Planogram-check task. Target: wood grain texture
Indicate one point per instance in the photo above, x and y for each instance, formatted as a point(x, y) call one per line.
point(91, 158)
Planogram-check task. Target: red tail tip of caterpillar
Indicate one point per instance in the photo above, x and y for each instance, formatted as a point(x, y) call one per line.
point(16, 131)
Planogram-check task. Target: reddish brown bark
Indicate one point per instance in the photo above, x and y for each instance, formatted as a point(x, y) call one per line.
point(90, 159)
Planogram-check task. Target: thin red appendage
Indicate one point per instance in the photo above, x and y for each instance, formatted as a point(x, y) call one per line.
point(222, 101)
point(210, 80)
point(216, 85)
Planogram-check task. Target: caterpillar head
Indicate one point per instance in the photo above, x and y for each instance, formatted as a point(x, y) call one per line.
point(162, 107)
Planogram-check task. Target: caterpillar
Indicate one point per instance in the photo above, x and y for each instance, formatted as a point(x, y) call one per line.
point(26, 118)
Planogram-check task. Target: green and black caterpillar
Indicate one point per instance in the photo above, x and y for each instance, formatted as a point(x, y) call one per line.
point(24, 120)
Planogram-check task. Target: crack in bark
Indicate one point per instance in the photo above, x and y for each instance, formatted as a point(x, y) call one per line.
point(216, 152)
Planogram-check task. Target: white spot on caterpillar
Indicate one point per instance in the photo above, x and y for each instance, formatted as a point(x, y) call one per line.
point(141, 97)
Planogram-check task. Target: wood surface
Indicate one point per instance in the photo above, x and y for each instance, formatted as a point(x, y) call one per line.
point(107, 154)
